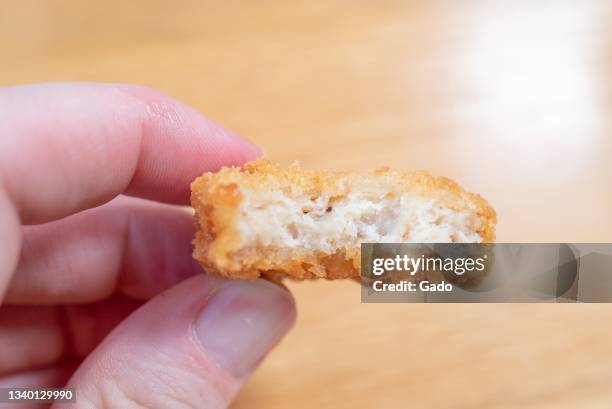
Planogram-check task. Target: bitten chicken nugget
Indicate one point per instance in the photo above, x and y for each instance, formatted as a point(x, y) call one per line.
point(265, 220)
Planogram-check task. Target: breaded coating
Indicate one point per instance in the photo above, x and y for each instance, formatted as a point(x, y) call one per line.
point(265, 220)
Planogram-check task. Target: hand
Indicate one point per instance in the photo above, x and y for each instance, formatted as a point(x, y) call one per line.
point(99, 291)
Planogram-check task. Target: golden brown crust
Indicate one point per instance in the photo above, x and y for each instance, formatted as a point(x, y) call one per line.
point(216, 196)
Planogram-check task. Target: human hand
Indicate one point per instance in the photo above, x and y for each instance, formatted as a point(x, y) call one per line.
point(99, 291)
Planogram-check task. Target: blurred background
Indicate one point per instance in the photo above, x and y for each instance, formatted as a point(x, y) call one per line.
point(513, 99)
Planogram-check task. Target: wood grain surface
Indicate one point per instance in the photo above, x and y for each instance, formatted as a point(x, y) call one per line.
point(513, 99)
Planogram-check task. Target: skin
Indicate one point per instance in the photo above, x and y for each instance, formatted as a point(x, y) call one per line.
point(99, 291)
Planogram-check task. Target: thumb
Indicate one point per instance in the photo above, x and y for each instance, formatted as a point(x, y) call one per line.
point(192, 346)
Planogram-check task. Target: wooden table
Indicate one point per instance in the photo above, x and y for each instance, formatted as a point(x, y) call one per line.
point(513, 99)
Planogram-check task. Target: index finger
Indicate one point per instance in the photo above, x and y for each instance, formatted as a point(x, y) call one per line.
point(68, 147)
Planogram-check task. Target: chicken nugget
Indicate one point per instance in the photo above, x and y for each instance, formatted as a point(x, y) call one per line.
point(266, 220)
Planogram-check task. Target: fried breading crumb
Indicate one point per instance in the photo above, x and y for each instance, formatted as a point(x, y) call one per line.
point(265, 220)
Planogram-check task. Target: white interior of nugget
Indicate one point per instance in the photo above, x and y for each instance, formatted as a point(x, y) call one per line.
point(273, 219)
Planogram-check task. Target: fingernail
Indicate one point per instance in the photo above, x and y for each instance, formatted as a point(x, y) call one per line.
point(242, 321)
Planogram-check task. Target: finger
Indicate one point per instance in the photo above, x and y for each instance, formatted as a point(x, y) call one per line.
point(131, 246)
point(87, 324)
point(21, 333)
point(37, 337)
point(10, 241)
point(54, 376)
point(192, 346)
point(67, 147)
